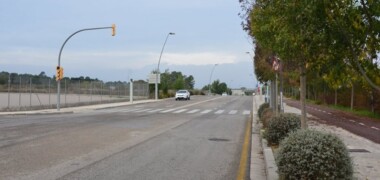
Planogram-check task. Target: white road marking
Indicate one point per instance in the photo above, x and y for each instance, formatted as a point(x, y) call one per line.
point(329, 113)
point(169, 110)
point(155, 110)
point(206, 111)
point(219, 112)
point(143, 110)
point(352, 120)
point(246, 112)
point(362, 124)
point(193, 111)
point(233, 112)
point(179, 111)
point(375, 128)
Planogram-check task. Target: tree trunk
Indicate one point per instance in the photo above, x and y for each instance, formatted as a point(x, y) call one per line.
point(336, 97)
point(352, 97)
point(303, 96)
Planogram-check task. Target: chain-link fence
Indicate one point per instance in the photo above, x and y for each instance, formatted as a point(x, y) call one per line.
point(41, 93)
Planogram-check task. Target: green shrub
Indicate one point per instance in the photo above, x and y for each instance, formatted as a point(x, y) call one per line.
point(261, 109)
point(266, 116)
point(279, 127)
point(309, 154)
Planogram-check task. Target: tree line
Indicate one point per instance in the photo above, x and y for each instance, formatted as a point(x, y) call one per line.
point(322, 45)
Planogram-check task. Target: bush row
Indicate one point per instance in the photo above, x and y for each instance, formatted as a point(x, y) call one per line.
point(304, 154)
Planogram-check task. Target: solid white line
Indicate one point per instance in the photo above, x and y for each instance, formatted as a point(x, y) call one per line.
point(219, 112)
point(206, 111)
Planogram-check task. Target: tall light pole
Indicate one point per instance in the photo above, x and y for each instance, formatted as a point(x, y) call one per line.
point(158, 66)
point(113, 27)
point(209, 84)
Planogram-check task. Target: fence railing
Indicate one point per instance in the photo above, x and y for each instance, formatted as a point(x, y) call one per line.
point(31, 94)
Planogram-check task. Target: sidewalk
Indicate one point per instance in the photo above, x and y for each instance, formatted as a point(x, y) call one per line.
point(365, 154)
point(76, 109)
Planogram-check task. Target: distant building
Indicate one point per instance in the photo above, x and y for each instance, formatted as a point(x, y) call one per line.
point(237, 92)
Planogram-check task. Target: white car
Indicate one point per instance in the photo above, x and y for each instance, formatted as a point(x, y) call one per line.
point(182, 94)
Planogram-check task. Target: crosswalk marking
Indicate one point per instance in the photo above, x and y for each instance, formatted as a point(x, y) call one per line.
point(155, 110)
point(143, 110)
point(169, 110)
point(219, 112)
point(206, 111)
point(179, 111)
point(233, 112)
point(193, 111)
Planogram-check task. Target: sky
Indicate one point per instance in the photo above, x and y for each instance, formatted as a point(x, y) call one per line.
point(206, 33)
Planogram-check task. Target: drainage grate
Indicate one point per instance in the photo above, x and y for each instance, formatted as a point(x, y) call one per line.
point(358, 150)
point(218, 139)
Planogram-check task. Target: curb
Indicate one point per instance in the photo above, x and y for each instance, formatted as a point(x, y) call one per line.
point(270, 164)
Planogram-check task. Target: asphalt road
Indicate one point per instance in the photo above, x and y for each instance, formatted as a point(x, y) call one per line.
point(197, 139)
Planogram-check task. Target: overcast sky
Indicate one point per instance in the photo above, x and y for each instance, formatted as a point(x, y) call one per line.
point(207, 32)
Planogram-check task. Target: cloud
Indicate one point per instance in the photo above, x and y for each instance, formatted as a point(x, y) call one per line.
point(111, 59)
point(205, 58)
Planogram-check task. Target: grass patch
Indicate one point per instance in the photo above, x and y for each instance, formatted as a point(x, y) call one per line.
point(359, 112)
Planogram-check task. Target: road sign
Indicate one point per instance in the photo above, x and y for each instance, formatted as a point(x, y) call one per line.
point(152, 78)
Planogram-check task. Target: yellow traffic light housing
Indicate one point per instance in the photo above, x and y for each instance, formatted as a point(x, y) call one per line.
point(113, 29)
point(59, 73)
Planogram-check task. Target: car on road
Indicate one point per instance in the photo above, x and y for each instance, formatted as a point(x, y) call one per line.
point(182, 94)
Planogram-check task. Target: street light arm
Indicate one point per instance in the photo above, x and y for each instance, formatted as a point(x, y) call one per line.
point(63, 45)
point(162, 50)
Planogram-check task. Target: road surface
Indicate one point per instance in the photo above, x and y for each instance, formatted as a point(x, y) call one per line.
point(197, 139)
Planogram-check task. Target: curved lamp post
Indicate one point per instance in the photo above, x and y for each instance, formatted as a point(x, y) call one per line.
point(113, 27)
point(158, 66)
point(209, 84)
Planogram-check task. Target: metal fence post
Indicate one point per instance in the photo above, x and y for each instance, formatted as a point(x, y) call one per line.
point(19, 95)
point(30, 93)
point(49, 95)
point(9, 89)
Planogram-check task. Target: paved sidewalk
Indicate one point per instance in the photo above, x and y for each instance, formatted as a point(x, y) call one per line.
point(366, 164)
point(76, 109)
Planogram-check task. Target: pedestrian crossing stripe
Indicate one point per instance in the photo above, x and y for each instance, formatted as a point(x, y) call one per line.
point(233, 112)
point(219, 112)
point(206, 111)
point(193, 111)
point(155, 110)
point(246, 112)
point(179, 111)
point(169, 110)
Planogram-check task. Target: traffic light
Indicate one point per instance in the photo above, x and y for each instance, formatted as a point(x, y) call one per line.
point(59, 73)
point(113, 29)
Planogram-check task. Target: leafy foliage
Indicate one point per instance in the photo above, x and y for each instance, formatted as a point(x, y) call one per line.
point(279, 127)
point(261, 109)
point(309, 154)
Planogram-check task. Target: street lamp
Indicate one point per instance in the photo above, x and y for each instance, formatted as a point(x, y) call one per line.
point(209, 84)
point(60, 69)
point(158, 66)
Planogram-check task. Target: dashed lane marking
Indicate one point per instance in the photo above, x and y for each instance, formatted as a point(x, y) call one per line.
point(352, 120)
point(362, 124)
point(375, 128)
